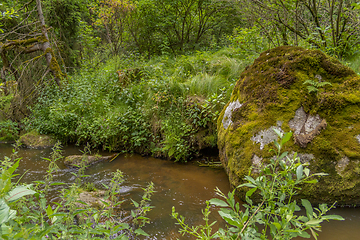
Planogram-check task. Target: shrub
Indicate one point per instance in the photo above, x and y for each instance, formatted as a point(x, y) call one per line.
point(9, 131)
point(272, 213)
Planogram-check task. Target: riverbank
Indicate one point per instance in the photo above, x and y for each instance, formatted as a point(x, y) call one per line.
point(164, 107)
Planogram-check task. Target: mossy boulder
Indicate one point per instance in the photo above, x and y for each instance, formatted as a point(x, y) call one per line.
point(326, 121)
point(35, 140)
point(77, 160)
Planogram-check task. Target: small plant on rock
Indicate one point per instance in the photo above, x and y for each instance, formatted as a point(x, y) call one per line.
point(315, 85)
point(274, 216)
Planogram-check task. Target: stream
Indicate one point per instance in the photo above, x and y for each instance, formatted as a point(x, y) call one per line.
point(185, 186)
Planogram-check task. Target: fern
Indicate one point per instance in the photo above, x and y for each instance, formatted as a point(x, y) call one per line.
point(315, 85)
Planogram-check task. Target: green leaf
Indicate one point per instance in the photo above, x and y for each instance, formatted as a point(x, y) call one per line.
point(307, 171)
point(314, 222)
point(82, 202)
point(139, 231)
point(225, 214)
point(314, 234)
point(56, 183)
point(333, 217)
point(218, 202)
point(299, 172)
point(251, 191)
point(277, 145)
point(277, 225)
point(12, 169)
point(135, 203)
point(171, 151)
point(250, 179)
point(304, 234)
point(308, 207)
point(284, 154)
point(286, 138)
point(282, 197)
point(303, 218)
point(247, 185)
point(19, 192)
point(278, 132)
point(233, 222)
point(4, 211)
point(49, 210)
point(5, 230)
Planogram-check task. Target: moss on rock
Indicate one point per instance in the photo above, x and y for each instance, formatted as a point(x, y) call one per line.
point(77, 160)
point(35, 140)
point(271, 93)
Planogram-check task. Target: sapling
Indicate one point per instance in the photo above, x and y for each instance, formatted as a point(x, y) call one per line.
point(274, 214)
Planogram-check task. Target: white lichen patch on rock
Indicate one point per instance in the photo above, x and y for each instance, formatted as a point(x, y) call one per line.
point(306, 157)
point(358, 137)
point(299, 120)
point(341, 165)
point(306, 127)
point(304, 123)
point(311, 123)
point(228, 112)
point(256, 163)
point(267, 136)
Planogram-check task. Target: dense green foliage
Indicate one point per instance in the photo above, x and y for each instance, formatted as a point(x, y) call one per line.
point(34, 217)
point(164, 107)
point(270, 211)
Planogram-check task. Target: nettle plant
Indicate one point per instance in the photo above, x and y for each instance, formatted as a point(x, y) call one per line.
point(276, 215)
point(25, 212)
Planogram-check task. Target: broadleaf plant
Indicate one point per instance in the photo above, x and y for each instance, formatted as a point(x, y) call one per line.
point(274, 213)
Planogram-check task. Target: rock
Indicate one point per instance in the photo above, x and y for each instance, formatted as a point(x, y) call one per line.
point(76, 160)
point(99, 200)
point(93, 199)
point(35, 140)
point(326, 123)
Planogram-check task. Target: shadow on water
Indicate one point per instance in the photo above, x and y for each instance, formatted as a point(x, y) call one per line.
point(185, 186)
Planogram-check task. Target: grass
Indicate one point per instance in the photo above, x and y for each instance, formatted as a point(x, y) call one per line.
point(353, 63)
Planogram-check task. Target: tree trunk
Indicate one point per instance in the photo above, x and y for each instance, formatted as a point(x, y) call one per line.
point(46, 48)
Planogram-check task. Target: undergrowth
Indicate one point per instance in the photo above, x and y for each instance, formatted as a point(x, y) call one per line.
point(166, 106)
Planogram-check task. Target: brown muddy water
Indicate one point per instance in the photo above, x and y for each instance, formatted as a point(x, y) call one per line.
point(185, 186)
